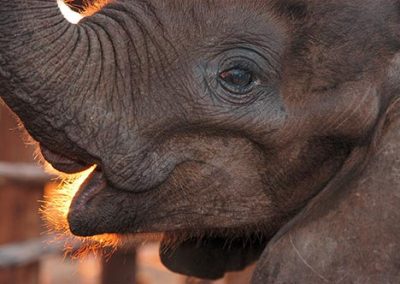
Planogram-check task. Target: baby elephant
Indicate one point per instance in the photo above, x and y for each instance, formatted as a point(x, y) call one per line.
point(241, 130)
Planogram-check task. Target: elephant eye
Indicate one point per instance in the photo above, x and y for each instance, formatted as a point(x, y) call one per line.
point(237, 80)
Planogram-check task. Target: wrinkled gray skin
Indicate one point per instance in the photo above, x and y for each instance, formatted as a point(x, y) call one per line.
point(303, 150)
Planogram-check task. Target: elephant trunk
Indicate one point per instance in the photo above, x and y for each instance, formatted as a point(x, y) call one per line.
point(71, 83)
point(44, 63)
point(37, 56)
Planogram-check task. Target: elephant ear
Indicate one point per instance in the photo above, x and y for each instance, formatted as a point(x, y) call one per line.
point(350, 233)
point(211, 258)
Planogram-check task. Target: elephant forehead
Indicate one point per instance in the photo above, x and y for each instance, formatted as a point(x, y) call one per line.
point(216, 20)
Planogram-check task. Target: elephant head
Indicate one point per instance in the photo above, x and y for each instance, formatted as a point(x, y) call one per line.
point(213, 122)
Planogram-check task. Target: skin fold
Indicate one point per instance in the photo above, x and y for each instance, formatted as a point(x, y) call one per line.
point(242, 130)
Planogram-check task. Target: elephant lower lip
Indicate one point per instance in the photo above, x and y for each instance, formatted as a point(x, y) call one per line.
point(78, 211)
point(90, 187)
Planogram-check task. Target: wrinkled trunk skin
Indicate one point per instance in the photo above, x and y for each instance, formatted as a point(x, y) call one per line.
point(42, 63)
point(35, 41)
point(73, 85)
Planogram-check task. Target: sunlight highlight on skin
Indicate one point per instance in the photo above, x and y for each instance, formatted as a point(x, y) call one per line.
point(55, 210)
point(87, 10)
point(71, 16)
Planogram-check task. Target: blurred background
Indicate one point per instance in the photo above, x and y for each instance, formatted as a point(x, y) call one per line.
point(26, 254)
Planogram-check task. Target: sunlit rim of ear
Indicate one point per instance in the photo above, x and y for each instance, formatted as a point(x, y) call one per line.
point(70, 15)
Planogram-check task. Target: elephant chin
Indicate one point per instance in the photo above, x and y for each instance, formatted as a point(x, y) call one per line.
point(211, 257)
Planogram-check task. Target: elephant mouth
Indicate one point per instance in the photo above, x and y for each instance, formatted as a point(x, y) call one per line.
point(90, 211)
point(207, 256)
point(88, 190)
